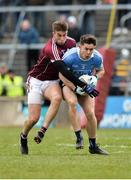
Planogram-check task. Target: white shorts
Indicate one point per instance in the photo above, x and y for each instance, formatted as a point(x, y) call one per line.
point(36, 88)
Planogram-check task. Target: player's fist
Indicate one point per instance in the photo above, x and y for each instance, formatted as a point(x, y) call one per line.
point(91, 91)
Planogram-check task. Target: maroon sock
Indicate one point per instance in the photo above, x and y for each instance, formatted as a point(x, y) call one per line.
point(43, 129)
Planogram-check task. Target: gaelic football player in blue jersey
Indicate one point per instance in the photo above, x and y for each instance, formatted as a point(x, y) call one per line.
point(86, 63)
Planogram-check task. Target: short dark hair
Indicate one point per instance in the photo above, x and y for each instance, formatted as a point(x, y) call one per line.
point(88, 39)
point(59, 26)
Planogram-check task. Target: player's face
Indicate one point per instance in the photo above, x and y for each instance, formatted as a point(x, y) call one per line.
point(60, 37)
point(86, 50)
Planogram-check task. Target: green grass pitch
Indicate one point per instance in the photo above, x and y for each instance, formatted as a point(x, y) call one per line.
point(57, 158)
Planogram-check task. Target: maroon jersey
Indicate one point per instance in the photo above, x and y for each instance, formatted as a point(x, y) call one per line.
point(44, 69)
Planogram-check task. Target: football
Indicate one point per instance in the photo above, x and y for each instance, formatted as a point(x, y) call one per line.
point(88, 79)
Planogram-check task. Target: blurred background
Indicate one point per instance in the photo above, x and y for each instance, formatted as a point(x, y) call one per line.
point(25, 25)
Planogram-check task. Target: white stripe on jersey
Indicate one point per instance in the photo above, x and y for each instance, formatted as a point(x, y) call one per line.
point(55, 50)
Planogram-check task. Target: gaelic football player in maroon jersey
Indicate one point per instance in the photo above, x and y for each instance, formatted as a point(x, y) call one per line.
point(43, 82)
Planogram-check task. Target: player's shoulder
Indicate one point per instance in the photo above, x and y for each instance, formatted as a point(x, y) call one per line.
point(97, 54)
point(48, 45)
point(70, 52)
point(70, 41)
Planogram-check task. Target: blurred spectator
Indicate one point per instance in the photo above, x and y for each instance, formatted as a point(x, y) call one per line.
point(17, 14)
point(3, 76)
point(123, 64)
point(63, 15)
point(118, 85)
point(14, 85)
point(120, 13)
point(73, 31)
point(87, 18)
point(3, 20)
point(121, 74)
point(38, 19)
point(29, 35)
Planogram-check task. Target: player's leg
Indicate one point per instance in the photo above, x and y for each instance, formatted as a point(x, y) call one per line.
point(88, 103)
point(34, 108)
point(34, 113)
point(72, 102)
point(54, 95)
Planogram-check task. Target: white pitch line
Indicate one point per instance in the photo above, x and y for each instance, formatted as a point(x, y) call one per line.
point(116, 146)
point(105, 146)
point(118, 152)
point(67, 145)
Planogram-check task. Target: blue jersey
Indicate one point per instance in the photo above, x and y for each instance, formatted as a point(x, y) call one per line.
point(80, 66)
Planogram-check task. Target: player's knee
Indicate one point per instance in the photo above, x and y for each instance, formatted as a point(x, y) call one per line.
point(90, 115)
point(34, 118)
point(72, 103)
point(57, 99)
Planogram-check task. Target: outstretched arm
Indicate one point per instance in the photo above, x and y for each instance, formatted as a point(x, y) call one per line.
point(62, 68)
